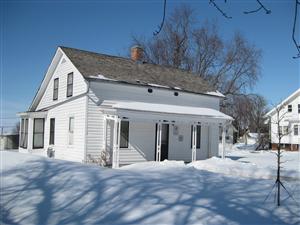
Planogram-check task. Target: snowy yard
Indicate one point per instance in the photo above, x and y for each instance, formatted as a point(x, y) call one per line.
point(245, 162)
point(37, 190)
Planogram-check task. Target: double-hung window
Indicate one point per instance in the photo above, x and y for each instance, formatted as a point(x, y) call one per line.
point(24, 133)
point(52, 131)
point(198, 138)
point(290, 108)
point(71, 131)
point(70, 85)
point(296, 130)
point(298, 108)
point(55, 89)
point(124, 135)
point(38, 133)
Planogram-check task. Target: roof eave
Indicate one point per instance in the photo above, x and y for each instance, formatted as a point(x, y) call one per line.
point(156, 87)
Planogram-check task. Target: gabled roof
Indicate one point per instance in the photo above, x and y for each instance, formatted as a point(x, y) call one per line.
point(94, 65)
point(284, 102)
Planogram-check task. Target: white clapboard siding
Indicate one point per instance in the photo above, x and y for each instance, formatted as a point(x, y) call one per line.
point(62, 70)
point(180, 143)
point(142, 135)
point(63, 150)
point(113, 91)
point(95, 127)
point(141, 143)
point(213, 140)
point(288, 116)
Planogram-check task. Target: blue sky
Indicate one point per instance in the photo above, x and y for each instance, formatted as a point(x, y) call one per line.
point(32, 30)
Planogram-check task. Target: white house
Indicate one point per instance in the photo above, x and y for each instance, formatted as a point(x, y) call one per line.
point(289, 124)
point(90, 103)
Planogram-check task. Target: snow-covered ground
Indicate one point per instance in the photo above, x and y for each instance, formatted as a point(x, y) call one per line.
point(37, 190)
point(243, 161)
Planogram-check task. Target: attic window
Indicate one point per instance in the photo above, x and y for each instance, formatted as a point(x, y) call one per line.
point(176, 93)
point(55, 89)
point(150, 90)
point(70, 85)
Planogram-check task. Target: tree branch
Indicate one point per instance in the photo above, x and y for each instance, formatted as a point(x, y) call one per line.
point(258, 9)
point(219, 9)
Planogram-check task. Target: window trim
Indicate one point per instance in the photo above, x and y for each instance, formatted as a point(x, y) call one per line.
point(33, 133)
point(127, 135)
point(55, 89)
point(71, 132)
point(70, 85)
point(24, 133)
point(52, 132)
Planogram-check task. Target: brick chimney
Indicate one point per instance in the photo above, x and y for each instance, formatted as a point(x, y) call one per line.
point(137, 53)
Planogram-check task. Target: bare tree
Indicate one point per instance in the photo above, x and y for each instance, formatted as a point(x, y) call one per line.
point(171, 47)
point(240, 111)
point(281, 131)
point(257, 114)
point(230, 66)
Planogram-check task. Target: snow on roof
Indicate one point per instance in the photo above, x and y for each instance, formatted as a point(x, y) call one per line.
point(166, 108)
point(102, 77)
point(157, 85)
point(177, 88)
point(215, 93)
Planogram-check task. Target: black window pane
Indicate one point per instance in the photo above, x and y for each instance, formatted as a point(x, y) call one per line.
point(38, 140)
point(26, 133)
point(70, 78)
point(55, 95)
point(198, 135)
point(70, 85)
point(198, 138)
point(296, 130)
point(289, 108)
point(69, 90)
point(56, 83)
point(22, 133)
point(124, 134)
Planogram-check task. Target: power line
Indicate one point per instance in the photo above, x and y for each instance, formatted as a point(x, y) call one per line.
point(163, 20)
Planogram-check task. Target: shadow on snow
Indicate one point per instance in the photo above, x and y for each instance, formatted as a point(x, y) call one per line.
point(56, 192)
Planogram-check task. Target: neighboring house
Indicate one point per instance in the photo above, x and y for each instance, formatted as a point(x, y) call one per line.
point(231, 134)
point(90, 103)
point(290, 124)
point(9, 141)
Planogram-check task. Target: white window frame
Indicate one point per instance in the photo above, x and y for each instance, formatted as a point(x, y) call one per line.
point(296, 128)
point(71, 133)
